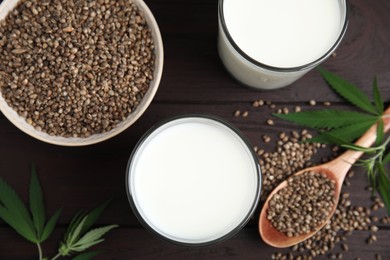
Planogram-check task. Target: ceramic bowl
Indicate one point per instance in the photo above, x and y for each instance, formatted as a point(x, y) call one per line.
point(7, 5)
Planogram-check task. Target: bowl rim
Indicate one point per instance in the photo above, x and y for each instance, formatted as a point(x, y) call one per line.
point(22, 125)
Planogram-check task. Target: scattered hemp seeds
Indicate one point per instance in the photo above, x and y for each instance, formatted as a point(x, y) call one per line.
point(292, 155)
point(345, 219)
point(238, 113)
point(303, 205)
point(75, 68)
point(258, 103)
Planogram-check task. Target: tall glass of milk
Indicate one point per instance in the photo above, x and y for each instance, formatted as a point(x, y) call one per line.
point(193, 180)
point(269, 44)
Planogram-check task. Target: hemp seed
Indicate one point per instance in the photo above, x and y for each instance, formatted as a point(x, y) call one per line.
point(344, 247)
point(374, 229)
point(91, 60)
point(270, 122)
point(255, 103)
point(385, 220)
point(266, 138)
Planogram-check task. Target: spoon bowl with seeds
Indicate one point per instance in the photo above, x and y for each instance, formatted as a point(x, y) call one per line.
point(300, 206)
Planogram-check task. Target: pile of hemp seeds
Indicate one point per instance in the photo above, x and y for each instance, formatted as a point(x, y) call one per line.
point(303, 205)
point(291, 154)
point(75, 68)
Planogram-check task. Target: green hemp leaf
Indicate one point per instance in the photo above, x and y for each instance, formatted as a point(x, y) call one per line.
point(32, 225)
point(342, 127)
point(78, 237)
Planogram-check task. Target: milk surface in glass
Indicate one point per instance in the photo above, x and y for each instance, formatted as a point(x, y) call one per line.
point(283, 35)
point(194, 180)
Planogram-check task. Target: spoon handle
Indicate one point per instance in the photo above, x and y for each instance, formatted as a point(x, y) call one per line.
point(348, 158)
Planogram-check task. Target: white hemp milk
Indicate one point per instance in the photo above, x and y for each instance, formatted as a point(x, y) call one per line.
point(282, 34)
point(194, 180)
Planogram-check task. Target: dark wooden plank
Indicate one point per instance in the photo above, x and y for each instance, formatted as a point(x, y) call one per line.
point(137, 243)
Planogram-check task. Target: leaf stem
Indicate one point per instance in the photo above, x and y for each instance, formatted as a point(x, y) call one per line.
point(56, 256)
point(39, 251)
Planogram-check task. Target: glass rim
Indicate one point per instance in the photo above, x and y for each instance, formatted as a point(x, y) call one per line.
point(221, 19)
point(257, 170)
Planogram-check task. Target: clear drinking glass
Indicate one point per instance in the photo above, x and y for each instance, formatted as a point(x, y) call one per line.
point(193, 180)
point(269, 44)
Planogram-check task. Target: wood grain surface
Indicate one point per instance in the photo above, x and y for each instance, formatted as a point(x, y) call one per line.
point(194, 81)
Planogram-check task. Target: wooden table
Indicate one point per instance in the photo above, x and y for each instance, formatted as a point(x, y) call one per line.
point(194, 81)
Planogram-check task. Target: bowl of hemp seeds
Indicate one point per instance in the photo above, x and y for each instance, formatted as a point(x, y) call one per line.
point(77, 72)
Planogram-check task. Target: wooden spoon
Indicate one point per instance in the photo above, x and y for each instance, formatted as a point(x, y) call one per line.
point(335, 170)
